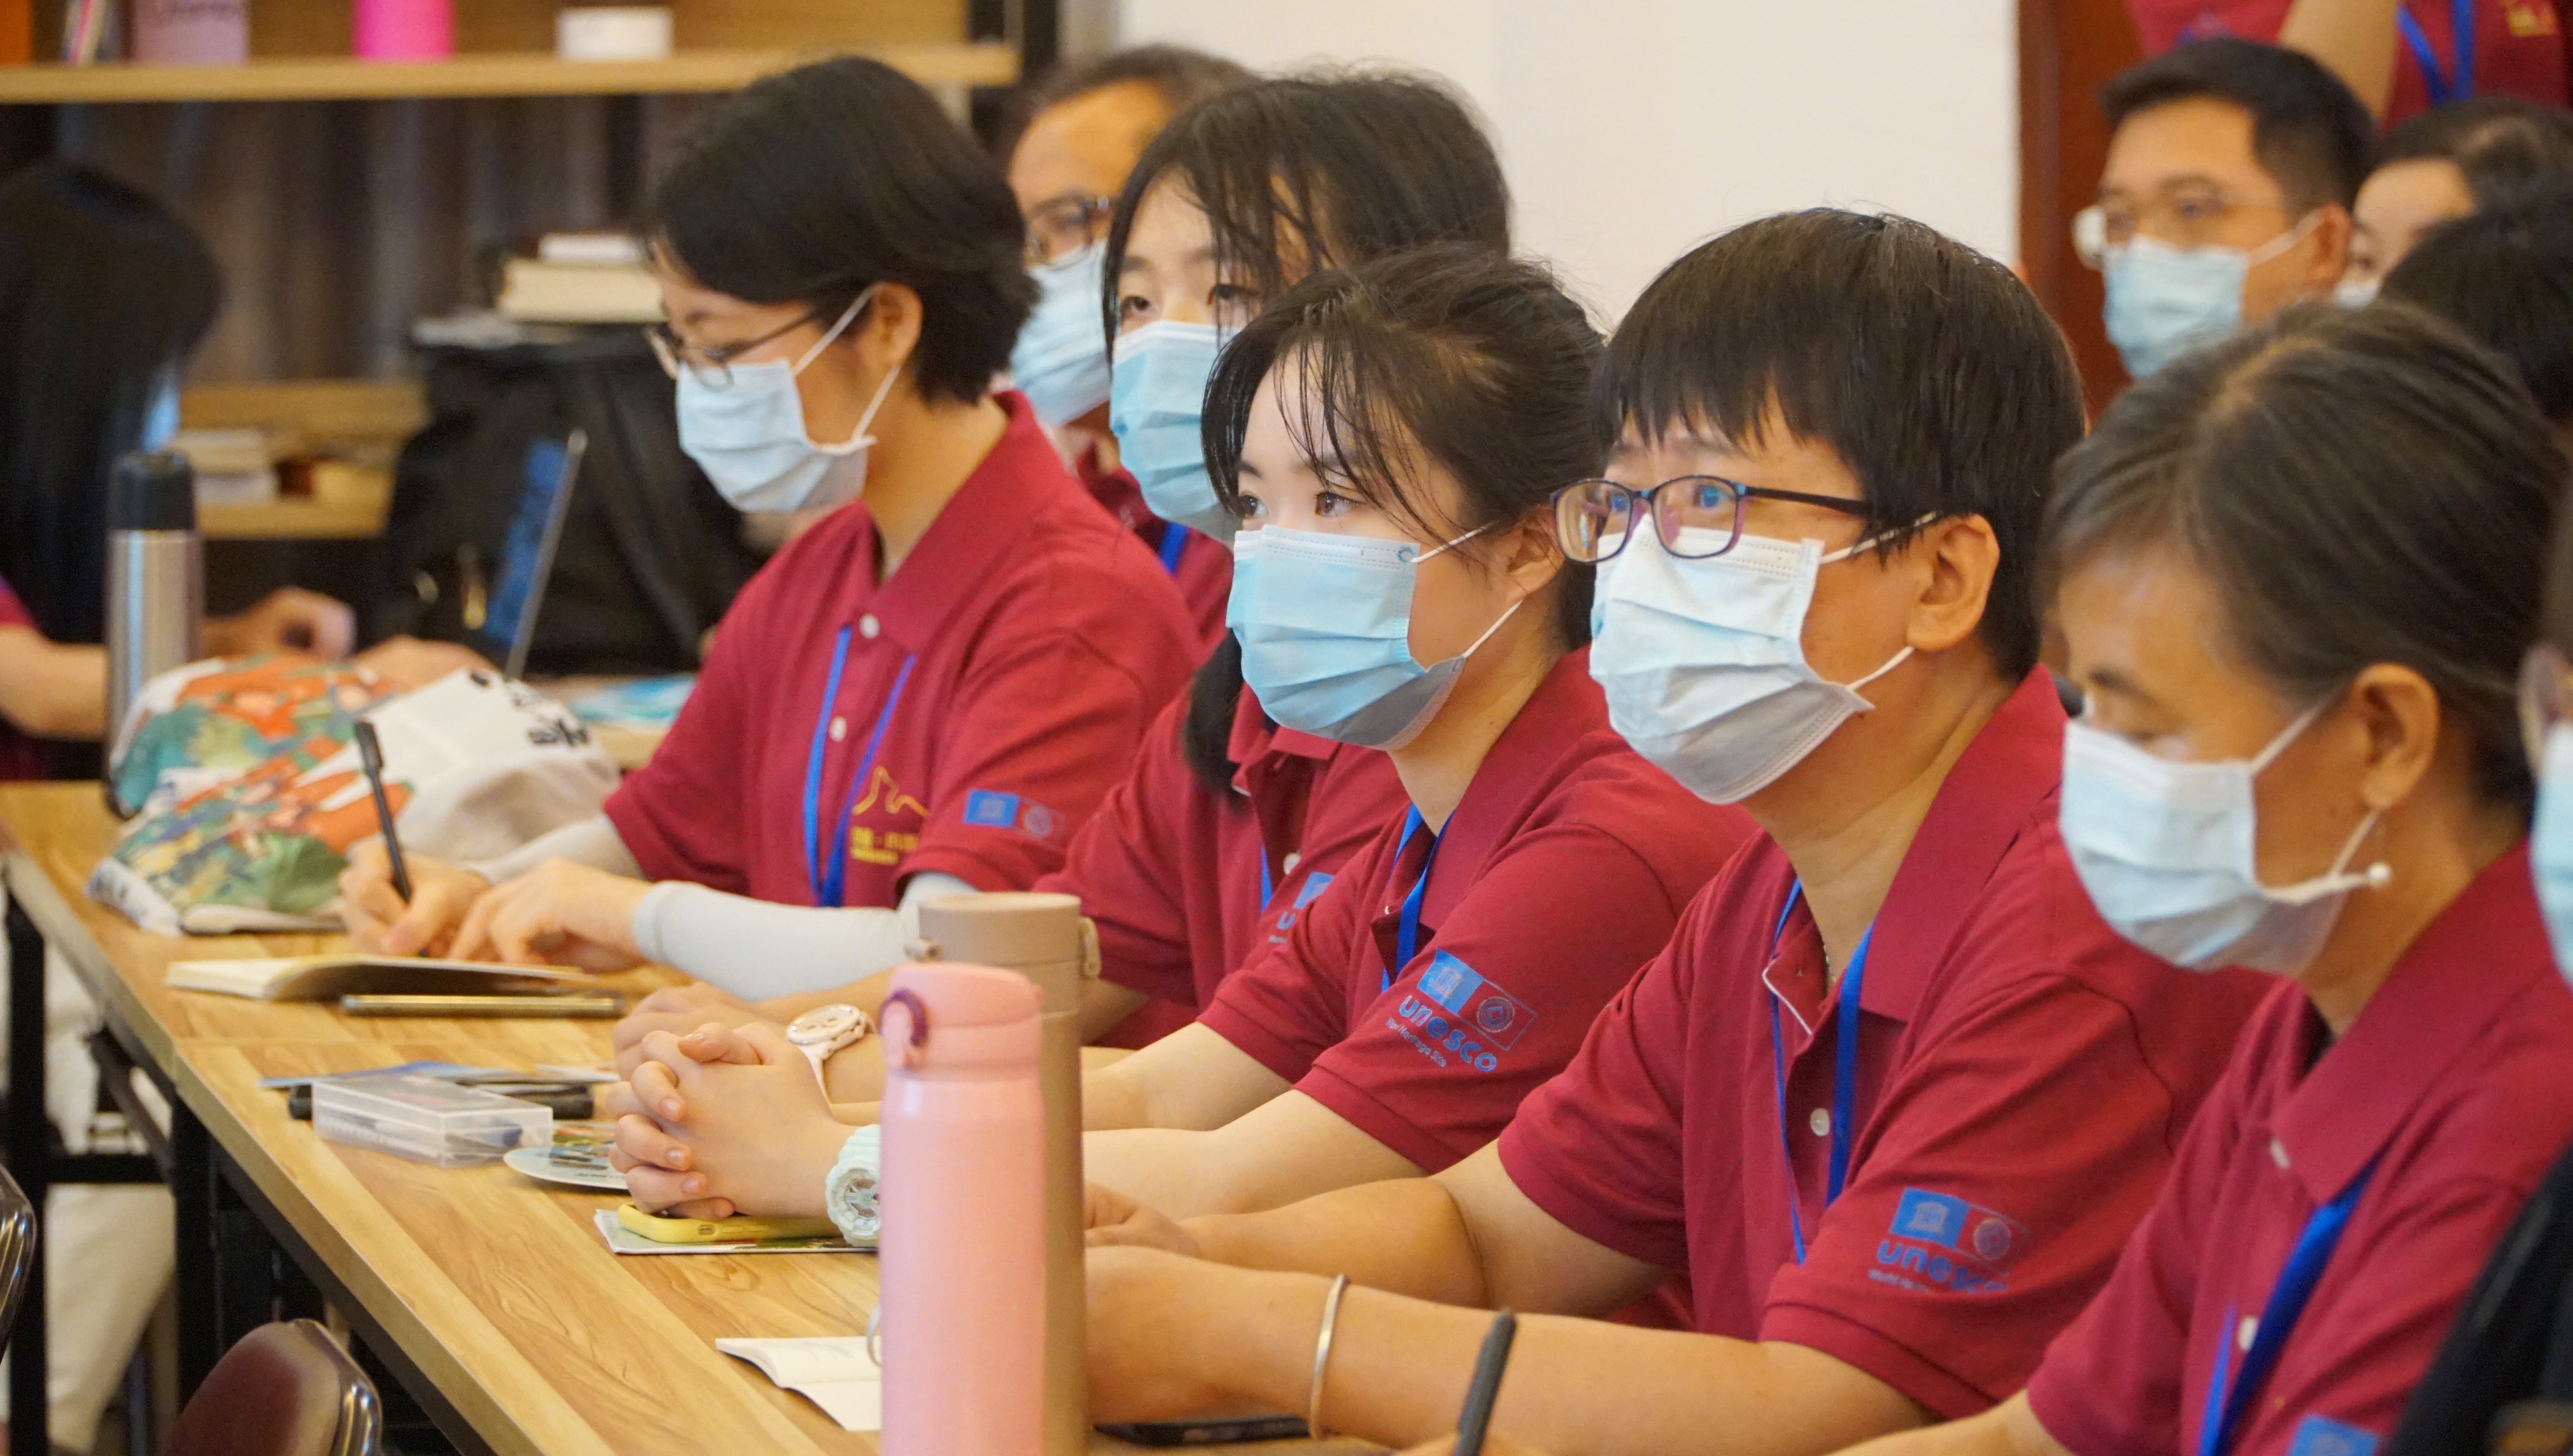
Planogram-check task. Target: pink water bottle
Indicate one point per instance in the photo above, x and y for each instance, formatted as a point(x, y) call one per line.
point(963, 1191)
point(403, 30)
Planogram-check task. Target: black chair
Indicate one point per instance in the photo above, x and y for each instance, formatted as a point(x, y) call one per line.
point(17, 1250)
point(286, 1389)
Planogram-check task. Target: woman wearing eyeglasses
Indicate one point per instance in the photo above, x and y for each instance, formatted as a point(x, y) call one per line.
point(1390, 436)
point(2297, 574)
point(931, 688)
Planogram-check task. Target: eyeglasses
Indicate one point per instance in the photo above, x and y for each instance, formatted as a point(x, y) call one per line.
point(712, 367)
point(1061, 227)
point(2188, 217)
point(1593, 518)
point(2545, 698)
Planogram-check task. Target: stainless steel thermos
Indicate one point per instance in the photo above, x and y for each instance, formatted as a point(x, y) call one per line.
point(155, 580)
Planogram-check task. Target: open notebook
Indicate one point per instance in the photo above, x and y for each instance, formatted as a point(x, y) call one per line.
point(322, 978)
point(834, 1373)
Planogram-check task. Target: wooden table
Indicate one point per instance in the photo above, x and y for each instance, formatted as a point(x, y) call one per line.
point(487, 1298)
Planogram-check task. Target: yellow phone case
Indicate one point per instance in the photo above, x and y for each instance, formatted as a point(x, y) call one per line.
point(740, 1228)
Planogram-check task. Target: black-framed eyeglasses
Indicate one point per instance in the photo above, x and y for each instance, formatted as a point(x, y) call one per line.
point(1696, 517)
point(712, 365)
point(1062, 226)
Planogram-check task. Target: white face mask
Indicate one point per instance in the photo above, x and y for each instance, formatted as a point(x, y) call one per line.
point(2356, 292)
point(749, 438)
point(1703, 660)
point(2169, 853)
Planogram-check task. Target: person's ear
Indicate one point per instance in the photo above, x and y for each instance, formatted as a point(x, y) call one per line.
point(886, 335)
point(1956, 557)
point(1530, 555)
point(2398, 711)
point(2330, 248)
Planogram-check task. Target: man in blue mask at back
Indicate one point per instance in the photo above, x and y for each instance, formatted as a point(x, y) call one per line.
point(2227, 195)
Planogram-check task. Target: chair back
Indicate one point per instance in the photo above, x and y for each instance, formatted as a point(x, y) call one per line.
point(17, 1250)
point(286, 1389)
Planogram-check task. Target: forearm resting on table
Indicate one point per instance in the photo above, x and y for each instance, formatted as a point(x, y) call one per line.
point(50, 689)
point(2008, 1429)
point(759, 950)
point(1404, 1234)
point(592, 842)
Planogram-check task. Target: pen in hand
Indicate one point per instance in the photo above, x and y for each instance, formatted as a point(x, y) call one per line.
point(370, 756)
point(1487, 1387)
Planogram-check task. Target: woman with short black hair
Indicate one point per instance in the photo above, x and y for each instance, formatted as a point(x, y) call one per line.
point(926, 692)
point(2297, 575)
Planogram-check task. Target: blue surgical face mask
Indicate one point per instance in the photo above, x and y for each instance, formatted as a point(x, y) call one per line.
point(1156, 405)
point(748, 437)
point(2550, 844)
point(1325, 622)
point(161, 417)
point(1061, 359)
point(2169, 853)
point(1703, 660)
point(2165, 301)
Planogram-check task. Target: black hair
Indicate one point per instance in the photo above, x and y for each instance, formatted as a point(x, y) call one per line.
point(2505, 275)
point(2503, 145)
point(1928, 368)
point(2360, 485)
point(807, 187)
point(1318, 171)
point(2309, 131)
point(1179, 76)
point(1478, 361)
point(103, 294)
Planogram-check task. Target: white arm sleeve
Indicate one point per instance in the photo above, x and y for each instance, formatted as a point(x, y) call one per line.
point(591, 842)
point(757, 950)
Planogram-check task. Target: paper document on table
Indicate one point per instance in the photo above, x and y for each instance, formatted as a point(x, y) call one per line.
point(622, 1239)
point(834, 1373)
point(325, 978)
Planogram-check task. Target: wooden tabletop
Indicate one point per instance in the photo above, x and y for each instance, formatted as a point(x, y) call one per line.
point(498, 1288)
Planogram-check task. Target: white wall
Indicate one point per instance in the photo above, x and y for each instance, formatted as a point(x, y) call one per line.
point(1634, 128)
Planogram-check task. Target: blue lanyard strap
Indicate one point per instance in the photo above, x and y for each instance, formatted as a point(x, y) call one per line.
point(2226, 1398)
point(1406, 935)
point(828, 876)
point(2444, 86)
point(1175, 544)
point(1268, 888)
point(1844, 1073)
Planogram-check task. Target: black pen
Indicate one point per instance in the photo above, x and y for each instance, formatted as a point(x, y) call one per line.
point(370, 756)
point(1486, 1388)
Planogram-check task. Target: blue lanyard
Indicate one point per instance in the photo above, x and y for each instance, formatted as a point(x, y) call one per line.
point(1407, 934)
point(1844, 1073)
point(2447, 86)
point(829, 878)
point(1268, 890)
point(2305, 1263)
point(1175, 544)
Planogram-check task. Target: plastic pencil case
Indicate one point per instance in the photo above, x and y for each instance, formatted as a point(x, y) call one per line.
point(426, 1120)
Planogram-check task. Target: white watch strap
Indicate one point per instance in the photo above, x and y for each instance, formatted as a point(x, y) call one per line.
point(819, 1054)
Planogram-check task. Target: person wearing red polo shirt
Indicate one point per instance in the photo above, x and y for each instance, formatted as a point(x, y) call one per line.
point(1080, 130)
point(1392, 434)
point(1229, 823)
point(1893, 1097)
point(930, 690)
point(2303, 755)
point(2402, 57)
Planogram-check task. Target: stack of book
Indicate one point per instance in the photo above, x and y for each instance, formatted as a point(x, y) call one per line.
point(580, 278)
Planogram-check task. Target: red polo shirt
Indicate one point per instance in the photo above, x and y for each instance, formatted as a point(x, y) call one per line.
point(994, 689)
point(21, 757)
point(1560, 872)
point(2454, 1083)
point(2519, 47)
point(1184, 884)
point(2024, 1077)
point(1200, 566)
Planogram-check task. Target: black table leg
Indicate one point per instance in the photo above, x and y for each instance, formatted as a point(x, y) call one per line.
point(29, 1154)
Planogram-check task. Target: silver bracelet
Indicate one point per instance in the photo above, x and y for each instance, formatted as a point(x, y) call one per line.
point(1323, 1357)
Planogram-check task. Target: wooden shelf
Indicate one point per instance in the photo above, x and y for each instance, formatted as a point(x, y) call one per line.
point(341, 78)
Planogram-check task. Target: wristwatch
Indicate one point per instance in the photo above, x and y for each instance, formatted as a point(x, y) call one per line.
point(825, 1029)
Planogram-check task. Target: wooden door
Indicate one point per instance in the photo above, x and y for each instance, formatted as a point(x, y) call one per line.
point(2067, 50)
